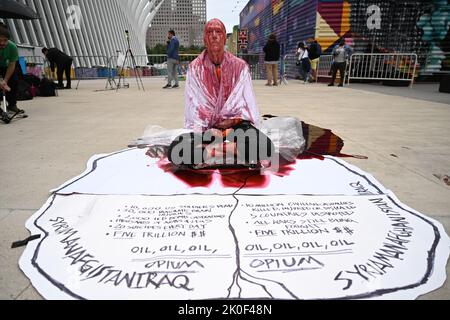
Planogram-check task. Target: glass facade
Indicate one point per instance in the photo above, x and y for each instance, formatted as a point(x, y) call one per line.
point(186, 17)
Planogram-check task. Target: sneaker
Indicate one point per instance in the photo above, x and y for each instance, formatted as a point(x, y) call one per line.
point(175, 86)
point(60, 86)
point(331, 85)
point(14, 109)
point(341, 85)
point(168, 86)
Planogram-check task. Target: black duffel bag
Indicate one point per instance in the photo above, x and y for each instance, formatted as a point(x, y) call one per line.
point(32, 79)
point(47, 88)
point(24, 91)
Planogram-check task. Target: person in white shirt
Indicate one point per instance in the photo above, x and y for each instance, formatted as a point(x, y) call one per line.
point(304, 62)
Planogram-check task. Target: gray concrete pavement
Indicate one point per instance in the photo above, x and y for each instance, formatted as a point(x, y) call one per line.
point(406, 139)
point(420, 91)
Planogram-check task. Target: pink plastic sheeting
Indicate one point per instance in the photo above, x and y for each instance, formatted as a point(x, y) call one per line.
point(210, 101)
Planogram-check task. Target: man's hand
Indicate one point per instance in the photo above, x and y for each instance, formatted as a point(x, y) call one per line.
point(4, 86)
point(220, 154)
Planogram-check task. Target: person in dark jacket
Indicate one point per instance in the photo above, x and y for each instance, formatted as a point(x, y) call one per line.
point(173, 60)
point(64, 64)
point(272, 57)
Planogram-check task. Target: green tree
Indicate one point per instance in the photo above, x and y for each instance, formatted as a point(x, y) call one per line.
point(158, 49)
point(162, 49)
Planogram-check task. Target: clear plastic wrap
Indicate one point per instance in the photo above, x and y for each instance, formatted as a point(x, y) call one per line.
point(210, 101)
point(157, 136)
point(286, 134)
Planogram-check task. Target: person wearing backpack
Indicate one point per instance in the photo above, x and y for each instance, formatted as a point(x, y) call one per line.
point(47, 88)
point(315, 52)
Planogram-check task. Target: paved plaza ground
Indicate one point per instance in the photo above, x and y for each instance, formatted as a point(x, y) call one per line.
point(405, 133)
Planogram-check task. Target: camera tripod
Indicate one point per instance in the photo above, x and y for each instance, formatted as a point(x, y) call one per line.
point(110, 81)
point(129, 55)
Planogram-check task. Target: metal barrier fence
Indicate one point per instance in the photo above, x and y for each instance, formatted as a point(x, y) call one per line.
point(383, 67)
point(291, 70)
point(324, 67)
point(256, 64)
point(156, 65)
point(25, 50)
point(100, 67)
point(84, 67)
point(395, 66)
point(90, 67)
point(147, 66)
point(89, 61)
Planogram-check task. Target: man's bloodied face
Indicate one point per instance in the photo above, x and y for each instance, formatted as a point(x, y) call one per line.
point(215, 36)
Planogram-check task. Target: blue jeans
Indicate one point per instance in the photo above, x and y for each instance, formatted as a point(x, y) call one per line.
point(305, 69)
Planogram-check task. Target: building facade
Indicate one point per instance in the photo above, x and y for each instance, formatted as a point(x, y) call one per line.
point(186, 17)
point(90, 29)
point(232, 41)
point(407, 26)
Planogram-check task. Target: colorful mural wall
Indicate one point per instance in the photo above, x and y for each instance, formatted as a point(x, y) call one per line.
point(290, 20)
point(420, 27)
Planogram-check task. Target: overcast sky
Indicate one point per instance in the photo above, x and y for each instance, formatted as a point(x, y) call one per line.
point(223, 10)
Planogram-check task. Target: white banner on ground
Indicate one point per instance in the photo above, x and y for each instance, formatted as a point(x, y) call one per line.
point(132, 172)
point(365, 245)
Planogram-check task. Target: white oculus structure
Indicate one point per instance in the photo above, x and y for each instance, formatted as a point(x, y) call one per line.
point(87, 28)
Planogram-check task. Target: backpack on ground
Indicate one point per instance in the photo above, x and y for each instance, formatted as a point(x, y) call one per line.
point(32, 79)
point(35, 83)
point(24, 91)
point(47, 88)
